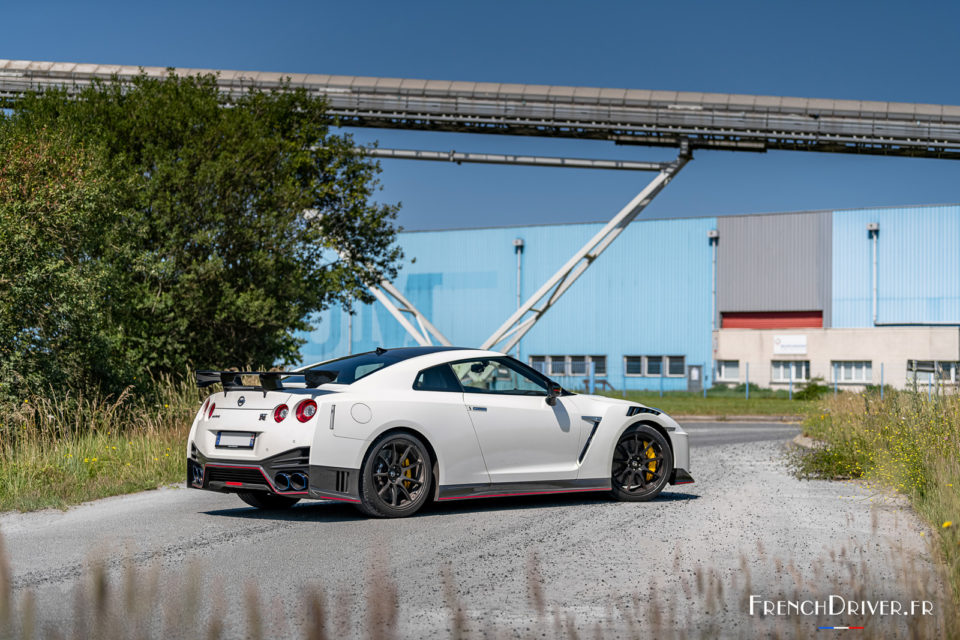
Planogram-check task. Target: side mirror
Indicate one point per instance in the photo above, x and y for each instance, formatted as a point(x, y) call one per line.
point(554, 390)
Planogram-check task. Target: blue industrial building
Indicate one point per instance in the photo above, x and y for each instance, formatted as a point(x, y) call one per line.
point(858, 295)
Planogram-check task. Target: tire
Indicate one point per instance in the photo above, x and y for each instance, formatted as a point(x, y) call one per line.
point(268, 501)
point(396, 477)
point(642, 464)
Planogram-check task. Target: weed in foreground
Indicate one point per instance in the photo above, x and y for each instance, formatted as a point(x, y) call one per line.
point(908, 442)
point(702, 602)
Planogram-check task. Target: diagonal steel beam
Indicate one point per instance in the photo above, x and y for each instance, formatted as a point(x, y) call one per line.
point(524, 318)
point(398, 305)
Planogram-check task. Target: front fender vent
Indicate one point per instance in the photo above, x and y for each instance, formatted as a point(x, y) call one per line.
point(593, 432)
point(632, 411)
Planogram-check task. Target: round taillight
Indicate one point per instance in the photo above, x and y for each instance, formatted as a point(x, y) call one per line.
point(306, 410)
point(213, 405)
point(280, 413)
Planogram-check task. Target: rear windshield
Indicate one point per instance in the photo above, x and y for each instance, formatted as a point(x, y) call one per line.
point(352, 368)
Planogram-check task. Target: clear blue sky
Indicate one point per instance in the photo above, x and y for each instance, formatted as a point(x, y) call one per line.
point(852, 49)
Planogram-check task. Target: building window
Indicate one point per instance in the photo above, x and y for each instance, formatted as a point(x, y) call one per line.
point(578, 365)
point(539, 363)
point(676, 366)
point(932, 371)
point(600, 365)
point(921, 371)
point(558, 365)
point(949, 372)
point(852, 371)
point(728, 370)
point(569, 365)
point(654, 365)
point(782, 370)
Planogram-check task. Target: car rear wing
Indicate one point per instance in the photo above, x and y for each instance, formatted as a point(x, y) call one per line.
point(269, 380)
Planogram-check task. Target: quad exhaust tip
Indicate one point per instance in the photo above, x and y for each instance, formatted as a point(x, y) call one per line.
point(282, 481)
point(290, 481)
point(298, 481)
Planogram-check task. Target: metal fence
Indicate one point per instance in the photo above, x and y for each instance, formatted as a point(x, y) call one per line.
point(785, 378)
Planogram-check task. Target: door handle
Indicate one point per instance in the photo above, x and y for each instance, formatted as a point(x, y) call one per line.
point(477, 408)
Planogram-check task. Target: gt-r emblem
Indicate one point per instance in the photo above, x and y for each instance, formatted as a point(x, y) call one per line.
point(263, 417)
point(240, 401)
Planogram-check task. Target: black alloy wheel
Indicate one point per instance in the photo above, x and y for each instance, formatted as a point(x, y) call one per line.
point(396, 476)
point(642, 464)
point(269, 501)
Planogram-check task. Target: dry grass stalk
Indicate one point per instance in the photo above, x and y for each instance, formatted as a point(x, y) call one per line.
point(130, 605)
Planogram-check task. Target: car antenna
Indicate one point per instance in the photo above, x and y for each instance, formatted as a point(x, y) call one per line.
point(380, 351)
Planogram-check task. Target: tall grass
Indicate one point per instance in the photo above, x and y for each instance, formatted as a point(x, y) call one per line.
point(63, 447)
point(909, 442)
point(703, 602)
point(720, 402)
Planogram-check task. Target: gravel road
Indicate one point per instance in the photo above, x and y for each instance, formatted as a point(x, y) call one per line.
point(746, 521)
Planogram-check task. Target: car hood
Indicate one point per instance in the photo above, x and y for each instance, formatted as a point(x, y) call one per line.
point(600, 405)
point(605, 401)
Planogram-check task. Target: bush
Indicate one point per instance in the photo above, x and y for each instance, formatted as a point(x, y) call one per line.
point(54, 200)
point(813, 390)
point(147, 227)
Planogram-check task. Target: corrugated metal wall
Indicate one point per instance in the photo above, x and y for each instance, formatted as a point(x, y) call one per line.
point(648, 294)
point(918, 266)
point(776, 262)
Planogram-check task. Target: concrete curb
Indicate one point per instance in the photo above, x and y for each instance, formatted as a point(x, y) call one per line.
point(750, 418)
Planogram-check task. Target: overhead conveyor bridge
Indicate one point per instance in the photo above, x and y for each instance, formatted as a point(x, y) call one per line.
point(627, 116)
point(684, 120)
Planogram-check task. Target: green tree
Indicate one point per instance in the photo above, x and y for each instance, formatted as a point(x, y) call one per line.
point(229, 225)
point(53, 198)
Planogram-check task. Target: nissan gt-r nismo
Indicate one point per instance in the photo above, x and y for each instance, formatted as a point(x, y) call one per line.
point(390, 429)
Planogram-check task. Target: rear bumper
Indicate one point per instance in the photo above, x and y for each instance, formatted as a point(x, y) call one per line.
point(285, 474)
point(334, 483)
point(680, 476)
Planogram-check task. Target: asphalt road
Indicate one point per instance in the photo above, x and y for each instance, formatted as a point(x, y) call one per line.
point(707, 434)
point(590, 559)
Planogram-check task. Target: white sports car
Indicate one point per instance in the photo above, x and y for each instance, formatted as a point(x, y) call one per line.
point(390, 429)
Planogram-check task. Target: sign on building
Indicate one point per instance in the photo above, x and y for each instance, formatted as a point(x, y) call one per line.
point(790, 345)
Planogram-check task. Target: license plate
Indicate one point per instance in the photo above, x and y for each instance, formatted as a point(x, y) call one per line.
point(235, 439)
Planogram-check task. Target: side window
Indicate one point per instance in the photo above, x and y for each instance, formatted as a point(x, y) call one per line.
point(494, 375)
point(439, 378)
point(366, 369)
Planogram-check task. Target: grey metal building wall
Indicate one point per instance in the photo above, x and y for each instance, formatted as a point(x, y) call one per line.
point(780, 262)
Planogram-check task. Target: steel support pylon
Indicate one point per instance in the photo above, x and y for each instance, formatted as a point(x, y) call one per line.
point(424, 329)
point(524, 318)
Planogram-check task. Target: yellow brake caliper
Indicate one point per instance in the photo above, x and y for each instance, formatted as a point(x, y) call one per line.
point(652, 466)
point(408, 473)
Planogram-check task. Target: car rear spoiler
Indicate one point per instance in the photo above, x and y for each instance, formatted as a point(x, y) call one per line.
point(269, 380)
